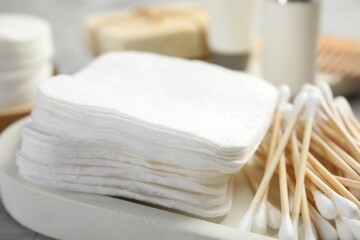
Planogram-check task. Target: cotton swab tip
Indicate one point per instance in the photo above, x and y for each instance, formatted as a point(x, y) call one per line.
point(345, 206)
point(273, 216)
point(247, 219)
point(342, 104)
point(354, 226)
point(309, 88)
point(312, 104)
point(309, 233)
point(284, 95)
point(325, 205)
point(326, 90)
point(260, 220)
point(286, 231)
point(299, 103)
point(343, 230)
point(325, 229)
point(287, 111)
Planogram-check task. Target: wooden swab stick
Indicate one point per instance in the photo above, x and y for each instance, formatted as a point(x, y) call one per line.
point(340, 130)
point(343, 230)
point(325, 229)
point(251, 176)
point(345, 111)
point(327, 131)
point(273, 214)
point(353, 147)
point(332, 155)
point(321, 147)
point(323, 203)
point(260, 219)
point(346, 158)
point(332, 179)
point(286, 229)
point(342, 103)
point(304, 212)
point(259, 224)
point(349, 182)
point(284, 96)
point(325, 89)
point(347, 207)
point(246, 221)
point(304, 201)
point(311, 108)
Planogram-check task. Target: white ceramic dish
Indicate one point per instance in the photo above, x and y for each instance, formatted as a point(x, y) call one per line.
point(70, 215)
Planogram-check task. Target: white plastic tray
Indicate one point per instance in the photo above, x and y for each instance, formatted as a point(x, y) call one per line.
point(70, 215)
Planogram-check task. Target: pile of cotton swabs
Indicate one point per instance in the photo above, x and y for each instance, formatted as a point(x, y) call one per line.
point(313, 148)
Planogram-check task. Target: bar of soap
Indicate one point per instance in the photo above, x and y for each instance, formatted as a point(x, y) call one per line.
point(174, 30)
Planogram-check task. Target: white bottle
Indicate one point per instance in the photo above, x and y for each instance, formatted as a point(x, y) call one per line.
point(230, 30)
point(290, 42)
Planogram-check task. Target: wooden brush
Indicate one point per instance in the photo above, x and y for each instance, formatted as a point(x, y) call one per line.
point(340, 56)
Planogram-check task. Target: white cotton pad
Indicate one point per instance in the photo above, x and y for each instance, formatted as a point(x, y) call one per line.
point(24, 39)
point(168, 100)
point(136, 174)
point(152, 128)
point(18, 91)
point(43, 152)
point(115, 191)
point(147, 187)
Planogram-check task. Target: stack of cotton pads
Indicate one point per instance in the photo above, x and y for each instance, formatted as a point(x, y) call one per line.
point(25, 57)
point(158, 129)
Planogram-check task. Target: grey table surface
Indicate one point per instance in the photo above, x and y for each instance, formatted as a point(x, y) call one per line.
point(338, 17)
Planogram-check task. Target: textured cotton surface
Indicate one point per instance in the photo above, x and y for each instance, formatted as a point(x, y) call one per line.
point(157, 129)
point(189, 97)
point(24, 39)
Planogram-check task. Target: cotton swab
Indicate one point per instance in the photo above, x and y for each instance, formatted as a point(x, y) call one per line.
point(330, 166)
point(343, 230)
point(333, 156)
point(311, 108)
point(308, 231)
point(345, 105)
point(284, 96)
point(349, 182)
point(309, 88)
point(273, 216)
point(325, 89)
point(324, 204)
point(345, 206)
point(325, 229)
point(332, 179)
point(354, 226)
point(344, 109)
point(346, 158)
point(246, 221)
point(286, 229)
point(260, 220)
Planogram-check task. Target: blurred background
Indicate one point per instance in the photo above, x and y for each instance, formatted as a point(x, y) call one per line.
point(66, 16)
point(317, 42)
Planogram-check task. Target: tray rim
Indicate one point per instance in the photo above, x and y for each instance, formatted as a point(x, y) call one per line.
point(65, 215)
